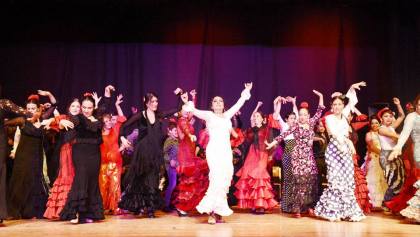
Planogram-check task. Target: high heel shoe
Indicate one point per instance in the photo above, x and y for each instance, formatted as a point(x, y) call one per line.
point(181, 213)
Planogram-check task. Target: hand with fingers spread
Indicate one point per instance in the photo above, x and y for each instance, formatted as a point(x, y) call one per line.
point(125, 143)
point(119, 100)
point(66, 124)
point(96, 99)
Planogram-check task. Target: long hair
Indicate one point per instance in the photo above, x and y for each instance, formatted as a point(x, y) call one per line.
point(148, 97)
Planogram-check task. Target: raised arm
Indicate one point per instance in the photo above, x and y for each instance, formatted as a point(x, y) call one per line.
point(320, 108)
point(11, 107)
point(352, 96)
point(49, 95)
point(245, 95)
point(259, 104)
point(104, 104)
point(136, 117)
point(401, 114)
point(117, 105)
point(182, 99)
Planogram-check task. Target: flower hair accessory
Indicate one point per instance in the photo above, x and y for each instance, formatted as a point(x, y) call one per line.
point(33, 97)
point(304, 105)
point(87, 94)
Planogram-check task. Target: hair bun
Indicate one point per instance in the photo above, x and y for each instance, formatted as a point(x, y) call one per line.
point(33, 97)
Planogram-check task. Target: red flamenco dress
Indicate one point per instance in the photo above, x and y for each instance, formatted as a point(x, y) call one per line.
point(192, 171)
point(254, 189)
point(62, 185)
point(361, 191)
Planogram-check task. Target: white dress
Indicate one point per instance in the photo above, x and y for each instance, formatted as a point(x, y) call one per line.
point(219, 157)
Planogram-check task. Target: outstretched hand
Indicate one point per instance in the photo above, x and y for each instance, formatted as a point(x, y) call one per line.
point(246, 93)
point(108, 90)
point(358, 85)
point(396, 101)
point(119, 100)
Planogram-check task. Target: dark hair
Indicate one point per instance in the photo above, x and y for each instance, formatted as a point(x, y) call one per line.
point(211, 102)
point(148, 97)
point(88, 97)
point(343, 99)
point(372, 117)
point(290, 114)
point(171, 125)
point(109, 116)
point(71, 102)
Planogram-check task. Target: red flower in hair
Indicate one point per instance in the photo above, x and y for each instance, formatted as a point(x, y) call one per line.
point(304, 105)
point(87, 94)
point(409, 106)
point(33, 97)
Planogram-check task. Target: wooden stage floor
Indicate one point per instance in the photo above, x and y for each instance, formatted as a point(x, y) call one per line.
point(239, 224)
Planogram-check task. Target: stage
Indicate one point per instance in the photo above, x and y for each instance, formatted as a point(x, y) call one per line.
point(239, 224)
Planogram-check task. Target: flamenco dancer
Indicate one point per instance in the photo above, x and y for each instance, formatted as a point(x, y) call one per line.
point(84, 201)
point(192, 171)
point(304, 178)
point(142, 194)
point(254, 190)
point(219, 154)
point(393, 169)
point(111, 160)
point(338, 200)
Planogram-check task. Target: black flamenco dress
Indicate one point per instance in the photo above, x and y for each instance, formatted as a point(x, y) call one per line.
point(142, 194)
point(28, 192)
point(6, 108)
point(84, 197)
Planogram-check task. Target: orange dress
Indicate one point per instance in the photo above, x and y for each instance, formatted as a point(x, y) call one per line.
point(111, 168)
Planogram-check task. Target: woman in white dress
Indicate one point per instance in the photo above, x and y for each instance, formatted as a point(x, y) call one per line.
point(219, 154)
